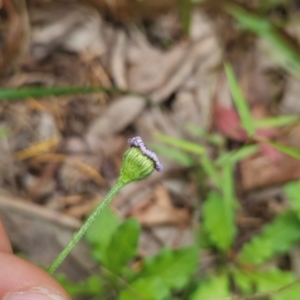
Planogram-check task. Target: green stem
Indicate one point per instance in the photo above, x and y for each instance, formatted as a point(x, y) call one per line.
point(79, 234)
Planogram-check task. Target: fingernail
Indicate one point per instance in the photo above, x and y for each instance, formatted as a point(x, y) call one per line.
point(33, 294)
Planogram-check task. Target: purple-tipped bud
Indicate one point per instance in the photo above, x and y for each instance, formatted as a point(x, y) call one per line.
point(138, 142)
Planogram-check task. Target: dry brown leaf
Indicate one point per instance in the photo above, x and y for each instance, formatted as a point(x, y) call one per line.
point(159, 210)
point(16, 40)
point(41, 234)
point(186, 109)
point(126, 10)
point(74, 27)
point(118, 62)
point(74, 145)
point(261, 170)
point(87, 36)
point(78, 170)
point(58, 202)
point(38, 148)
point(83, 209)
point(38, 188)
point(290, 101)
point(116, 117)
point(151, 68)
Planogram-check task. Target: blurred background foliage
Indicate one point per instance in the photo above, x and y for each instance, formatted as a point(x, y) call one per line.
point(234, 151)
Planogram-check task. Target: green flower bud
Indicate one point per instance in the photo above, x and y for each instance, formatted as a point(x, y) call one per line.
point(135, 166)
point(138, 163)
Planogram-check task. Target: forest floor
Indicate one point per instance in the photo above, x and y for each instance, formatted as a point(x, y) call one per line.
point(60, 154)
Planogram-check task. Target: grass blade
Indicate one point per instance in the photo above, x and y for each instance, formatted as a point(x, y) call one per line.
point(279, 48)
point(227, 182)
point(185, 11)
point(210, 170)
point(286, 149)
point(239, 101)
point(275, 122)
point(182, 144)
point(15, 94)
point(178, 156)
point(237, 155)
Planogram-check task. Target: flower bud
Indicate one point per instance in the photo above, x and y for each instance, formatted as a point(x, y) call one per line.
point(137, 163)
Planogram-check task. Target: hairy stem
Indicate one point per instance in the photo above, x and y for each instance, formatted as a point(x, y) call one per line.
point(79, 234)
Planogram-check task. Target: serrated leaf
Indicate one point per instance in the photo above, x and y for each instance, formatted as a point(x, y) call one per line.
point(215, 288)
point(292, 191)
point(90, 287)
point(101, 231)
point(240, 101)
point(275, 280)
point(152, 288)
point(219, 220)
point(122, 247)
point(275, 284)
point(276, 238)
point(243, 281)
point(202, 238)
point(173, 267)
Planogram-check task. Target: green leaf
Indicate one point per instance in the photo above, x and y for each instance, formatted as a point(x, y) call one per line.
point(101, 232)
point(182, 144)
point(123, 246)
point(227, 185)
point(219, 220)
point(23, 93)
point(275, 238)
point(215, 288)
point(275, 280)
point(173, 267)
point(250, 21)
point(275, 122)
point(92, 286)
point(152, 288)
point(292, 191)
point(239, 101)
point(202, 238)
point(274, 284)
point(285, 149)
point(174, 154)
point(243, 281)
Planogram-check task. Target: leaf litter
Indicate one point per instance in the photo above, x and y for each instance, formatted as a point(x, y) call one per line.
point(63, 153)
